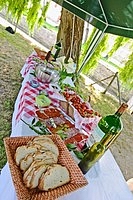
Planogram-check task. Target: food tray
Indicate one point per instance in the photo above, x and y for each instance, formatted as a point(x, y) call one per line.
point(46, 113)
point(77, 180)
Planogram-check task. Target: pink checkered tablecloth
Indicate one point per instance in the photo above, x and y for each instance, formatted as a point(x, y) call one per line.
point(27, 105)
point(29, 64)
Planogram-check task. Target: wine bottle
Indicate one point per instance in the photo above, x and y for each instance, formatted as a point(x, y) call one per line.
point(55, 50)
point(109, 127)
point(110, 124)
point(91, 157)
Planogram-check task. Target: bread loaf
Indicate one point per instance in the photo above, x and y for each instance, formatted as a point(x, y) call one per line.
point(36, 175)
point(38, 161)
point(55, 176)
point(43, 138)
point(46, 155)
point(46, 145)
point(29, 172)
point(26, 162)
point(23, 151)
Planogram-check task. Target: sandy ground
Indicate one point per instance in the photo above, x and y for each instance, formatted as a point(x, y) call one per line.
point(122, 149)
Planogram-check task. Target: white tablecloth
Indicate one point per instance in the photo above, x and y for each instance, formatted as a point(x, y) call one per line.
point(106, 181)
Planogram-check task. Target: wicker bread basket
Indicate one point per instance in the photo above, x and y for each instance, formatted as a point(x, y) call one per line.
point(77, 180)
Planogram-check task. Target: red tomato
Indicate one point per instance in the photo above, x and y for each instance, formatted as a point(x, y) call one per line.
point(76, 138)
point(91, 112)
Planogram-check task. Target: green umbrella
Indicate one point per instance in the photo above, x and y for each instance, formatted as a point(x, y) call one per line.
point(108, 16)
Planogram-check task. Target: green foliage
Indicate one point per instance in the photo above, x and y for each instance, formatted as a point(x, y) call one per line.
point(119, 41)
point(93, 61)
point(32, 15)
point(43, 14)
point(84, 47)
point(38, 127)
point(126, 73)
point(34, 10)
point(2, 4)
point(16, 8)
point(63, 74)
point(44, 10)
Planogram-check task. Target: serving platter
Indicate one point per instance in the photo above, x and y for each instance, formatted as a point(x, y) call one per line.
point(77, 179)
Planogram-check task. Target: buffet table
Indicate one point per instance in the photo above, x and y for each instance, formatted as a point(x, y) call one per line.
point(105, 180)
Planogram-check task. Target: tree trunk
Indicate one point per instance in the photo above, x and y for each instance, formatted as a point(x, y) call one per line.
point(70, 35)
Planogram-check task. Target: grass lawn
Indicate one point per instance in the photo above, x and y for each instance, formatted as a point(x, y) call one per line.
point(13, 53)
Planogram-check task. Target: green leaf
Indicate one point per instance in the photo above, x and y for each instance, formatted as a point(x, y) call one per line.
point(62, 135)
point(79, 154)
point(38, 123)
point(43, 128)
point(60, 131)
point(71, 146)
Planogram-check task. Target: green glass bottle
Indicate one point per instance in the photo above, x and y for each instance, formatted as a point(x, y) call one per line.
point(91, 157)
point(108, 128)
point(55, 50)
point(110, 124)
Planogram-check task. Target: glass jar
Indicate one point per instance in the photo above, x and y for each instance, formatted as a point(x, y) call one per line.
point(46, 74)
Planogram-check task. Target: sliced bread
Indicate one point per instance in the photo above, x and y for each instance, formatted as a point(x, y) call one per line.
point(36, 175)
point(46, 155)
point(42, 138)
point(34, 164)
point(46, 145)
point(22, 152)
point(26, 162)
point(55, 176)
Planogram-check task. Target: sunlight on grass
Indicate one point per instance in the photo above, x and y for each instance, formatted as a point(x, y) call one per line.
point(102, 103)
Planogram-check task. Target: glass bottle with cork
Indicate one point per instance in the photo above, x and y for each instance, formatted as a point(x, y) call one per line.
point(55, 50)
point(109, 128)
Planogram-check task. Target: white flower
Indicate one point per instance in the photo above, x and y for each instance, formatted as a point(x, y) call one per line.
point(70, 66)
point(68, 81)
